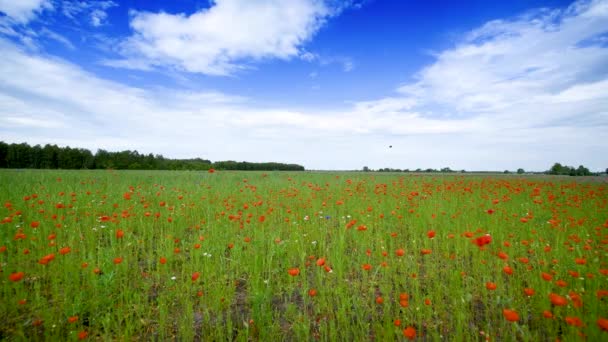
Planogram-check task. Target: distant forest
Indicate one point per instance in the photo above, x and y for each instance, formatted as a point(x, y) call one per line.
point(24, 156)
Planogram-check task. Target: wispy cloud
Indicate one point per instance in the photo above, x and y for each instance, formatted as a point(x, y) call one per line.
point(96, 11)
point(22, 11)
point(57, 37)
point(226, 37)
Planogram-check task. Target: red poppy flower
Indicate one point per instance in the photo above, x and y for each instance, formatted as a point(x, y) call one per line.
point(557, 300)
point(293, 271)
point(15, 277)
point(35, 224)
point(574, 321)
point(117, 261)
point(65, 250)
point(483, 240)
point(195, 276)
point(400, 252)
point(528, 291)
point(211, 170)
point(510, 315)
point(312, 292)
point(430, 234)
point(602, 323)
point(491, 286)
point(46, 259)
point(366, 267)
point(120, 233)
point(320, 261)
point(409, 333)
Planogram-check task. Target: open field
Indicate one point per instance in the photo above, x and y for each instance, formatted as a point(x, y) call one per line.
point(137, 255)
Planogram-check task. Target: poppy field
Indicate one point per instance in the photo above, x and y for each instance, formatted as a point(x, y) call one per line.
point(302, 256)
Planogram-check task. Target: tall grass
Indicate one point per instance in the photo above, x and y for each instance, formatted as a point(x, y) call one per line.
point(300, 256)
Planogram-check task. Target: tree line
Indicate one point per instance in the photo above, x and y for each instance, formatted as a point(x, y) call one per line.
point(556, 169)
point(24, 156)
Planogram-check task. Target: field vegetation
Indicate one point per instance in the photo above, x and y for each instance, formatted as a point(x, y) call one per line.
point(226, 255)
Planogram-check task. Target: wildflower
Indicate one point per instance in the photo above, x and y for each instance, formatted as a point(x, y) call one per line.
point(510, 315)
point(409, 333)
point(15, 277)
point(293, 271)
point(312, 292)
point(400, 252)
point(35, 224)
point(366, 267)
point(425, 251)
point(72, 319)
point(212, 170)
point(430, 234)
point(379, 300)
point(117, 261)
point(491, 286)
point(483, 240)
point(508, 270)
point(46, 259)
point(65, 250)
point(195, 276)
point(83, 335)
point(574, 321)
point(320, 261)
point(602, 323)
point(120, 233)
point(163, 260)
point(528, 291)
point(557, 300)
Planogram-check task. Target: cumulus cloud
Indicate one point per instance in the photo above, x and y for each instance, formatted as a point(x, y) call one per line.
point(221, 39)
point(521, 92)
point(22, 11)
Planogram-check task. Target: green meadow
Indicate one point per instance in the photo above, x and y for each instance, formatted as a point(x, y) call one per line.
point(301, 256)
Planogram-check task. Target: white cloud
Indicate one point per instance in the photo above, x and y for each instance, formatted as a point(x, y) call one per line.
point(95, 10)
point(57, 37)
point(222, 39)
point(513, 93)
point(22, 11)
point(98, 17)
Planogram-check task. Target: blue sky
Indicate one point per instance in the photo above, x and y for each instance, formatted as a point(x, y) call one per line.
point(328, 84)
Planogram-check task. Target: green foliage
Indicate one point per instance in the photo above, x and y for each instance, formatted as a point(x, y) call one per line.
point(24, 156)
point(559, 169)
